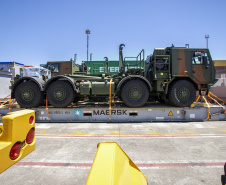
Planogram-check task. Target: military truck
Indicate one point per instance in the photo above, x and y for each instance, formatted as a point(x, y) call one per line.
point(172, 74)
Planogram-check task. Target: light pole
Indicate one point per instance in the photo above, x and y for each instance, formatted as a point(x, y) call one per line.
point(207, 37)
point(87, 32)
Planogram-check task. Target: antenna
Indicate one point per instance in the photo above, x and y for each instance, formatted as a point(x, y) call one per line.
point(75, 58)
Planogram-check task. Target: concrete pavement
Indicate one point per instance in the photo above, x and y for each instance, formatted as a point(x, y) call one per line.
point(167, 153)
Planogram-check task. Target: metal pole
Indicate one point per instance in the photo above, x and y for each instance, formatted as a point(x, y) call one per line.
point(87, 47)
point(87, 32)
point(91, 57)
point(207, 37)
point(75, 58)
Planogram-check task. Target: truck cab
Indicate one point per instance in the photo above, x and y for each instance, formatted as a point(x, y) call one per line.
point(169, 65)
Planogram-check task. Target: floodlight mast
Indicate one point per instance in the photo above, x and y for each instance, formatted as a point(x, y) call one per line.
point(87, 33)
point(207, 37)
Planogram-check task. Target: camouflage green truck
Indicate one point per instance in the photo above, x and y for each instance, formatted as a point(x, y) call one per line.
point(172, 74)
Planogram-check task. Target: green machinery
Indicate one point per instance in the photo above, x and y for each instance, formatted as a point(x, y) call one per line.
point(88, 67)
point(99, 67)
point(172, 74)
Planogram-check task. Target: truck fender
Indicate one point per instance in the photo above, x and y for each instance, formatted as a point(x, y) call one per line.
point(68, 79)
point(130, 77)
point(36, 80)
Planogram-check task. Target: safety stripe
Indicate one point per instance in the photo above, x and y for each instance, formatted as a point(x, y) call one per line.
point(142, 165)
point(128, 136)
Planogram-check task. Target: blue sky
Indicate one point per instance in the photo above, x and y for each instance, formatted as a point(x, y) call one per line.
point(36, 31)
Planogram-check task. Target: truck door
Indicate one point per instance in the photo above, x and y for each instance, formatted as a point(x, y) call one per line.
point(202, 68)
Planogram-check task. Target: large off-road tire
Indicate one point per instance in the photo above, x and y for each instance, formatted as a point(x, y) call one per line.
point(60, 94)
point(134, 93)
point(28, 95)
point(182, 93)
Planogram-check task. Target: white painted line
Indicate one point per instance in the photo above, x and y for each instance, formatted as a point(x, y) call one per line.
point(43, 126)
point(199, 126)
point(127, 136)
point(140, 165)
point(137, 126)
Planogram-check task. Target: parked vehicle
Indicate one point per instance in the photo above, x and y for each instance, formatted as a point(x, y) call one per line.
point(173, 74)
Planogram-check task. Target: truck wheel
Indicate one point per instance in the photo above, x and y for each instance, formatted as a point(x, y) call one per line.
point(60, 94)
point(182, 93)
point(28, 95)
point(134, 93)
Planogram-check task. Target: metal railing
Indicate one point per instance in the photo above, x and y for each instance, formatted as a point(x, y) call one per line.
point(139, 60)
point(96, 70)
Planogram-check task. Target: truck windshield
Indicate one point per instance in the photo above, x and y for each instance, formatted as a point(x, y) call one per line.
point(53, 67)
point(199, 59)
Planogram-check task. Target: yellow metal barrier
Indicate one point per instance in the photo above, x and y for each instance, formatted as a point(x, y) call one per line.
point(17, 137)
point(111, 166)
point(1, 130)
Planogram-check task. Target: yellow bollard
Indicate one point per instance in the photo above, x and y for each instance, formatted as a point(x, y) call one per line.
point(17, 137)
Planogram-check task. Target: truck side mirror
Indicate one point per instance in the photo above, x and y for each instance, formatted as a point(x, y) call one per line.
point(205, 61)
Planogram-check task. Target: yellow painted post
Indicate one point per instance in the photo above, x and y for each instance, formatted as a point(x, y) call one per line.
point(111, 166)
point(197, 99)
point(110, 99)
point(18, 137)
point(208, 107)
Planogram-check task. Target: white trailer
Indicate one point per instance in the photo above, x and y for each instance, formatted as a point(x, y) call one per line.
point(8, 71)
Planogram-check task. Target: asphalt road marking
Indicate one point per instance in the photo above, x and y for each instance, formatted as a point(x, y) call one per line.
point(222, 130)
point(151, 133)
point(191, 132)
point(140, 165)
point(42, 132)
point(155, 133)
point(79, 132)
point(125, 136)
point(43, 126)
point(116, 132)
